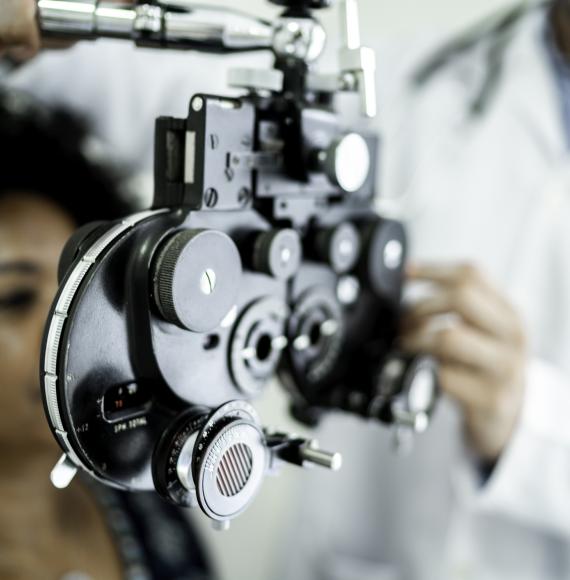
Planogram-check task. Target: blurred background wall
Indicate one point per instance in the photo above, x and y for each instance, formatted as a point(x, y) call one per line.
point(250, 549)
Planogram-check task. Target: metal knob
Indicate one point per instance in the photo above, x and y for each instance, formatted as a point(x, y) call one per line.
point(278, 253)
point(409, 387)
point(383, 258)
point(339, 246)
point(302, 452)
point(311, 454)
point(347, 162)
point(230, 461)
point(63, 472)
point(196, 279)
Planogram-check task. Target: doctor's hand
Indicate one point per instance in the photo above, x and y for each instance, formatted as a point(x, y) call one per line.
point(19, 34)
point(482, 354)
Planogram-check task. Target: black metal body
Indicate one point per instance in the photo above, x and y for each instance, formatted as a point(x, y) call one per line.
point(128, 380)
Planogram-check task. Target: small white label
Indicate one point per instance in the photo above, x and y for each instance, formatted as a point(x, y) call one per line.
point(190, 157)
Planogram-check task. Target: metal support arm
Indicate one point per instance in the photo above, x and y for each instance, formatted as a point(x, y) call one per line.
point(210, 29)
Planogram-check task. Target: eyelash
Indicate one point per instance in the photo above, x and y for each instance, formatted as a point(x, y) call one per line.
point(19, 300)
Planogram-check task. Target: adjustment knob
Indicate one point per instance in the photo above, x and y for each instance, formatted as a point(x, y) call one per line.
point(347, 162)
point(316, 334)
point(172, 458)
point(197, 278)
point(213, 459)
point(257, 341)
point(384, 258)
point(339, 247)
point(407, 391)
point(278, 253)
point(230, 460)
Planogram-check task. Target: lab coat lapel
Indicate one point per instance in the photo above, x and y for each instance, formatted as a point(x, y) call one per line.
point(531, 93)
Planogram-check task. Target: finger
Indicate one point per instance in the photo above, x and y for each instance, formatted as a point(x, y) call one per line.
point(454, 275)
point(26, 51)
point(445, 274)
point(34, 39)
point(459, 345)
point(409, 322)
point(477, 306)
point(472, 296)
point(18, 26)
point(463, 386)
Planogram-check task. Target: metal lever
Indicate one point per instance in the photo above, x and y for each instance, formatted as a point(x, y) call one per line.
point(63, 472)
point(302, 452)
point(311, 454)
point(357, 63)
point(208, 29)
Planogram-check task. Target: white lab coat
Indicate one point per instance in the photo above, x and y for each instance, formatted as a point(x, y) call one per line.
point(121, 89)
point(495, 191)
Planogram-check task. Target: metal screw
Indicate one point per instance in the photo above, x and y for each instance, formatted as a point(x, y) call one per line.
point(329, 327)
point(285, 255)
point(248, 353)
point(244, 195)
point(197, 104)
point(302, 342)
point(348, 290)
point(393, 254)
point(348, 82)
point(208, 281)
point(279, 343)
point(211, 197)
point(346, 247)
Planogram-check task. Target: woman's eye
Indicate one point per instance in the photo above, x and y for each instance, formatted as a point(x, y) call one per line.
point(18, 300)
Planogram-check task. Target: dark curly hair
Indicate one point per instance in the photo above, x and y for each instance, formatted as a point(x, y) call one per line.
point(45, 150)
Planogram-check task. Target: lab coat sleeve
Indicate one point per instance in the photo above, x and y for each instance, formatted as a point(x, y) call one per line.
point(121, 89)
point(531, 481)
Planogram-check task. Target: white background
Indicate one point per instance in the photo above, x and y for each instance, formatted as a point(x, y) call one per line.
point(253, 546)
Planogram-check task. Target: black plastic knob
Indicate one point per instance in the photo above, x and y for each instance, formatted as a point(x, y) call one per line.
point(197, 278)
point(339, 247)
point(278, 253)
point(172, 468)
point(383, 258)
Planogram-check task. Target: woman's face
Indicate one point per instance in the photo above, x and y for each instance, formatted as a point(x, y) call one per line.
point(33, 232)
